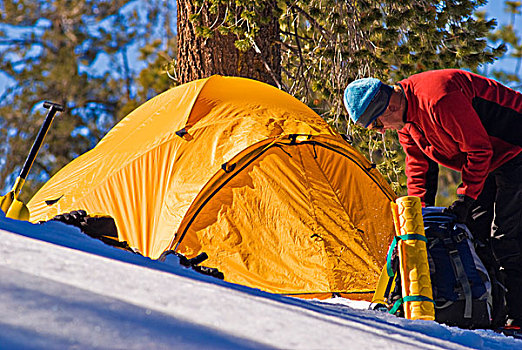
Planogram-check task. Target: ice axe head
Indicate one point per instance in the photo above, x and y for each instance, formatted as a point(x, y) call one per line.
point(10, 205)
point(52, 105)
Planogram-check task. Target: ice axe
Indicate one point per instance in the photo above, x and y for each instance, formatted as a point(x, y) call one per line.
point(10, 205)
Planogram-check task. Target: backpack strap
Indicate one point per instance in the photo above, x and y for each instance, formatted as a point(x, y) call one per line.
point(460, 273)
point(396, 239)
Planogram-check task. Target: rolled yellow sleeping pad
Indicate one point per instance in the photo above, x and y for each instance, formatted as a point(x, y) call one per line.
point(417, 294)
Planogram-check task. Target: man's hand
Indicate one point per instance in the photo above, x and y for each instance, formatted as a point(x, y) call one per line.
point(460, 208)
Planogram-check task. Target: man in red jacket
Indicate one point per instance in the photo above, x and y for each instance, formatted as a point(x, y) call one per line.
point(468, 123)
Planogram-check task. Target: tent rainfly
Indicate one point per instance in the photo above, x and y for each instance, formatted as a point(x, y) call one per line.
point(244, 172)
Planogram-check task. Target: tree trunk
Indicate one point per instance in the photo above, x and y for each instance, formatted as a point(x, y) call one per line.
point(200, 57)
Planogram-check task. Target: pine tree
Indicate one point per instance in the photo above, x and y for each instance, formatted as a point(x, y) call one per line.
point(77, 53)
point(229, 38)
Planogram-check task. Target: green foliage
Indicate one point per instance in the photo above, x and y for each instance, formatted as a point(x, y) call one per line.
point(242, 18)
point(77, 54)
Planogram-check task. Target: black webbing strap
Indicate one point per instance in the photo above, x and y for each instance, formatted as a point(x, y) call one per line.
point(460, 273)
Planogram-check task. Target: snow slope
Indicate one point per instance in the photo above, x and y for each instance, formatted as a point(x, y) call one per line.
point(61, 289)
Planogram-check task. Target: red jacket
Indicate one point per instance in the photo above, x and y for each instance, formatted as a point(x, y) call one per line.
point(462, 121)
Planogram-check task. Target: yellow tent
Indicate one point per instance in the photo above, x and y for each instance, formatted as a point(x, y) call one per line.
point(244, 172)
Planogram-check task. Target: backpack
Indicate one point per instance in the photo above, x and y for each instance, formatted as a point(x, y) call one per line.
point(461, 285)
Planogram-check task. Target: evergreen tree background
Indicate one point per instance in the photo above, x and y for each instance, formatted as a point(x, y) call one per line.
point(76, 53)
point(83, 54)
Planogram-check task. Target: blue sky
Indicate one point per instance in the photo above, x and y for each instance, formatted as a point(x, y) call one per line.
point(495, 9)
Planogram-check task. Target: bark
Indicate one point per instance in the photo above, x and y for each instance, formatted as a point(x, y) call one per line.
point(200, 57)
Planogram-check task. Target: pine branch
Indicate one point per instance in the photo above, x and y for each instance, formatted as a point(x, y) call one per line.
point(311, 19)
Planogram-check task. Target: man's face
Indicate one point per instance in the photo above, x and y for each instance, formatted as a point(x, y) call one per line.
point(376, 125)
point(392, 116)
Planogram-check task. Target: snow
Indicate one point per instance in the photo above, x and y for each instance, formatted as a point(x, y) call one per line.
point(60, 289)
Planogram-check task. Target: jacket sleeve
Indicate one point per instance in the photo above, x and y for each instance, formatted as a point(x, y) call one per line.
point(455, 113)
point(422, 172)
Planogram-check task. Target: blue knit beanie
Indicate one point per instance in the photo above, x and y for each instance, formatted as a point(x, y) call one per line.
point(366, 100)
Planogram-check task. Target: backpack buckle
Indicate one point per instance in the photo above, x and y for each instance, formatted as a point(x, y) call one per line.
point(460, 237)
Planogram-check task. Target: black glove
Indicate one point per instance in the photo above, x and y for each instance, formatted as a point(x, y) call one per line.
point(460, 208)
